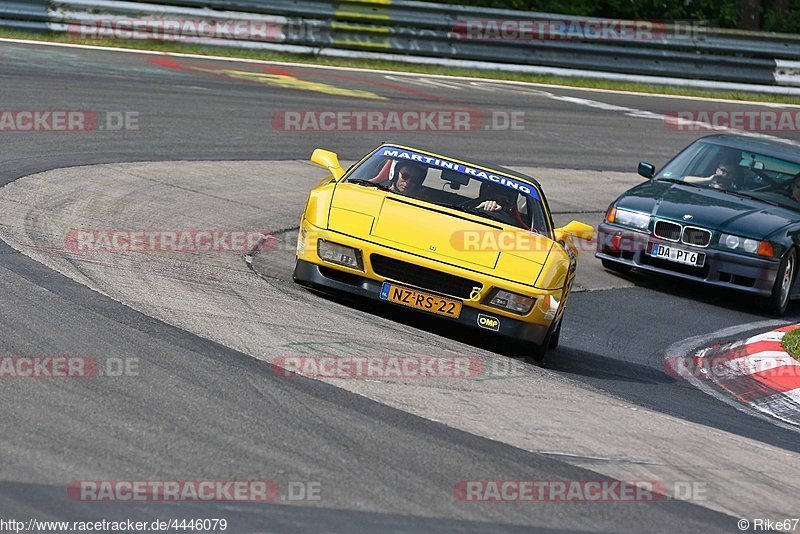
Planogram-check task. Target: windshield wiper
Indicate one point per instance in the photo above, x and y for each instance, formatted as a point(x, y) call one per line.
point(476, 211)
point(367, 183)
point(677, 181)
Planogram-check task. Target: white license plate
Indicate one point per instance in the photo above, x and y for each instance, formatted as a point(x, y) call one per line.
point(678, 255)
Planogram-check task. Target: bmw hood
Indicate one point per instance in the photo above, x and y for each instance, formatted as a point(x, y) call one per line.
point(708, 208)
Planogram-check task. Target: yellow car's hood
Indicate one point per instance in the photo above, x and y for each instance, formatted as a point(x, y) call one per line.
point(434, 232)
point(429, 233)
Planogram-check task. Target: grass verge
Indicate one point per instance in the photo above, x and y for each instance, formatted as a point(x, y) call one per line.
point(791, 343)
point(311, 59)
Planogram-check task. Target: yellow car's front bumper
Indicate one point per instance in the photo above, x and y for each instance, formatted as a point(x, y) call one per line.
point(533, 327)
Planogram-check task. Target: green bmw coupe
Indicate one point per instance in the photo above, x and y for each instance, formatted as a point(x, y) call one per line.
point(725, 211)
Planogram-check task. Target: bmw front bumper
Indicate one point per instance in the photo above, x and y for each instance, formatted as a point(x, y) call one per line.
point(750, 274)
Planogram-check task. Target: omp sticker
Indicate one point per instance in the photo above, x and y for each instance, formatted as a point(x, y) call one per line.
point(488, 322)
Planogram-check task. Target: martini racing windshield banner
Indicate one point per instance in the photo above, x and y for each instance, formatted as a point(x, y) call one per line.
point(472, 172)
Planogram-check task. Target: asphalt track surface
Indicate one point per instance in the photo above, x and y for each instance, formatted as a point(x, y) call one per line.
point(204, 411)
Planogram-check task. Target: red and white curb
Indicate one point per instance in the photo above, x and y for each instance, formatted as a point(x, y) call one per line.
point(755, 371)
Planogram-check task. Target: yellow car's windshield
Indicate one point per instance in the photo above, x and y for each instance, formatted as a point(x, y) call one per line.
point(454, 185)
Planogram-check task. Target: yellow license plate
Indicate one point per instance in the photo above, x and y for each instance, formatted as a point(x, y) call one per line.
point(421, 300)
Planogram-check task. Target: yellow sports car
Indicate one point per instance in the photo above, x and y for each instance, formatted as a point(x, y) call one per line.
point(459, 239)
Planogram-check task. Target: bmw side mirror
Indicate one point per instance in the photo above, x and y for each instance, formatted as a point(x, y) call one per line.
point(646, 169)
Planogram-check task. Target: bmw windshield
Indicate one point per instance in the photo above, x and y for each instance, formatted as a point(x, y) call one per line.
point(465, 188)
point(741, 172)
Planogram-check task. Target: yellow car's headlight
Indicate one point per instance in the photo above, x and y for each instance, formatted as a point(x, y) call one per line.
point(340, 254)
point(510, 301)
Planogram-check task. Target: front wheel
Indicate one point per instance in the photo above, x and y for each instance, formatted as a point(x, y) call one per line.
point(777, 302)
point(556, 335)
point(536, 353)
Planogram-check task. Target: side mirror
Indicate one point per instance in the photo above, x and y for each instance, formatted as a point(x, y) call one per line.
point(575, 229)
point(329, 160)
point(646, 169)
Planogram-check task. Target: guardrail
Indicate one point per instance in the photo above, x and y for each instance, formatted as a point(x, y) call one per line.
point(429, 32)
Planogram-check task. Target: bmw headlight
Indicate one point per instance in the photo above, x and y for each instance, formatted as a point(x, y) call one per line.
point(633, 219)
point(336, 253)
point(511, 301)
point(745, 244)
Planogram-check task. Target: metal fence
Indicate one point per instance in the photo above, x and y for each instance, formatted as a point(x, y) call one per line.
point(466, 36)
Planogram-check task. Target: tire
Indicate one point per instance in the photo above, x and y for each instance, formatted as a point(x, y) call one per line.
point(554, 338)
point(616, 267)
point(536, 353)
point(787, 271)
